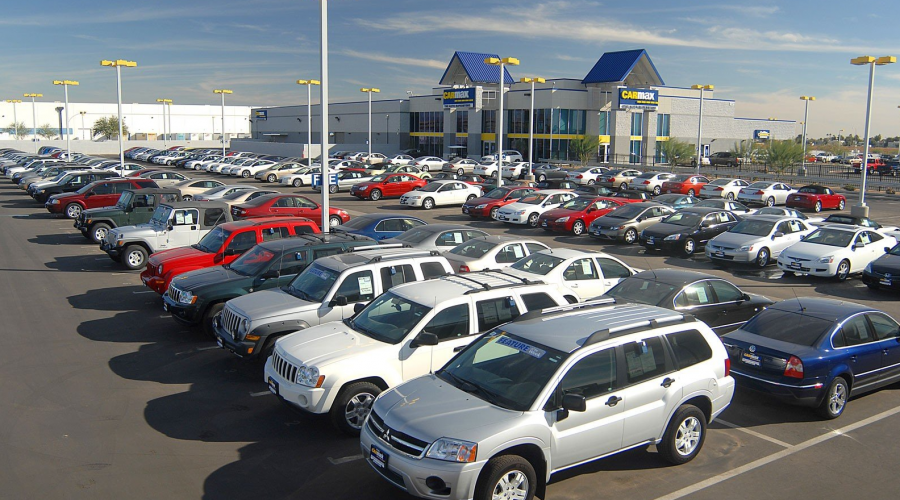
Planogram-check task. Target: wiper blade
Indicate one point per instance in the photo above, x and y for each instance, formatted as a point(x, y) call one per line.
point(471, 388)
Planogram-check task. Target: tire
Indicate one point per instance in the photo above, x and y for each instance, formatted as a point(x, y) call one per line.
point(693, 162)
point(631, 236)
point(187, 198)
point(98, 232)
point(841, 205)
point(657, 190)
point(332, 189)
point(691, 193)
point(542, 177)
point(271, 178)
point(623, 186)
point(591, 182)
point(763, 257)
point(533, 220)
point(470, 198)
point(729, 196)
point(297, 183)
point(245, 174)
point(352, 405)
point(426, 168)
point(375, 195)
point(770, 202)
point(494, 212)
point(506, 476)
point(460, 171)
point(835, 399)
point(134, 257)
point(818, 207)
point(843, 270)
point(494, 175)
point(206, 323)
point(689, 247)
point(73, 210)
point(684, 436)
point(334, 221)
point(428, 203)
point(578, 228)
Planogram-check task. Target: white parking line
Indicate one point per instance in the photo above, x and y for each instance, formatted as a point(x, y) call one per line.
point(145, 291)
point(777, 456)
point(343, 460)
point(753, 433)
point(260, 393)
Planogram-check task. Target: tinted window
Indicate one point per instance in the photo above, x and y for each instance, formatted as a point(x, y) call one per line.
point(293, 262)
point(450, 323)
point(213, 216)
point(689, 347)
point(357, 287)
point(243, 242)
point(510, 253)
point(581, 269)
point(885, 327)
point(592, 376)
point(726, 292)
point(433, 270)
point(275, 233)
point(856, 331)
point(641, 291)
point(395, 275)
point(305, 229)
point(450, 238)
point(787, 327)
point(493, 312)
point(534, 247)
point(540, 300)
point(612, 269)
point(644, 360)
point(697, 294)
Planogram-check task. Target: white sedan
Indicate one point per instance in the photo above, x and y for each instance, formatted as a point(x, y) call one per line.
point(757, 240)
point(490, 169)
point(723, 188)
point(514, 170)
point(586, 175)
point(580, 274)
point(303, 177)
point(767, 193)
point(428, 163)
point(835, 251)
point(528, 209)
point(400, 160)
point(440, 192)
point(491, 252)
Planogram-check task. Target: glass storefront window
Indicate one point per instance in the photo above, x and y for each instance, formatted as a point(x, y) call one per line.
point(662, 125)
point(462, 121)
point(637, 123)
point(604, 122)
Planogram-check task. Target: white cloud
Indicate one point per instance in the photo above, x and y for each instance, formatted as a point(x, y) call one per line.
point(403, 61)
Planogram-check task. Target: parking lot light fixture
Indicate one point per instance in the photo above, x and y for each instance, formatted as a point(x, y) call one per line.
point(532, 81)
point(496, 61)
point(862, 209)
point(370, 91)
point(223, 92)
point(33, 116)
point(164, 102)
point(65, 84)
point(15, 119)
point(806, 98)
point(309, 84)
point(118, 64)
point(701, 88)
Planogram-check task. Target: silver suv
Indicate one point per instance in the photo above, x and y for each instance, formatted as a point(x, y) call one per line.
point(547, 392)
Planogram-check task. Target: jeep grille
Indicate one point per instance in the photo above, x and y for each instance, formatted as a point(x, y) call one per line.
point(284, 368)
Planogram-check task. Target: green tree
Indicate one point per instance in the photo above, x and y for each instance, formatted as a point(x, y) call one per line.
point(18, 128)
point(584, 148)
point(675, 152)
point(108, 127)
point(742, 149)
point(47, 132)
point(783, 154)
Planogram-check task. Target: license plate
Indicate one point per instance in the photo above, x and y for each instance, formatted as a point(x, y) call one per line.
point(403, 202)
point(795, 265)
point(543, 223)
point(885, 282)
point(502, 217)
point(719, 254)
point(273, 386)
point(750, 359)
point(650, 241)
point(598, 232)
point(378, 458)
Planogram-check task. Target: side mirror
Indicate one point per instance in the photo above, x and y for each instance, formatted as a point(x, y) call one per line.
point(424, 339)
point(574, 402)
point(358, 307)
point(88, 194)
point(857, 245)
point(887, 249)
point(339, 301)
point(778, 234)
point(218, 258)
point(746, 297)
point(270, 274)
point(170, 225)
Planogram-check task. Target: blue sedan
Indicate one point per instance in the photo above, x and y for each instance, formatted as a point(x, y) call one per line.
point(816, 352)
point(379, 226)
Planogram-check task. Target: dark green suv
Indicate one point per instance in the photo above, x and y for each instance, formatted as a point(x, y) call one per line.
point(197, 296)
point(134, 207)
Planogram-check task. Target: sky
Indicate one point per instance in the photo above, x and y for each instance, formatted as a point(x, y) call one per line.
point(763, 54)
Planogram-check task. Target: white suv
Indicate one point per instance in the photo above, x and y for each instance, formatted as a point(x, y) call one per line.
point(340, 367)
point(547, 392)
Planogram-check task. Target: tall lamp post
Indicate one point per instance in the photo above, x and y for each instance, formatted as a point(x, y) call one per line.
point(309, 84)
point(15, 119)
point(806, 98)
point(370, 91)
point(82, 113)
point(323, 105)
point(862, 210)
point(223, 92)
point(165, 102)
point(65, 84)
point(118, 63)
point(701, 88)
point(33, 117)
point(495, 61)
point(532, 81)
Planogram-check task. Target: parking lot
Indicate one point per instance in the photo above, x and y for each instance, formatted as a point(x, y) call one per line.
point(105, 396)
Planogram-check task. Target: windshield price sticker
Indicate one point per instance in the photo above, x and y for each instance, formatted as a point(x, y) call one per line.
point(365, 285)
point(522, 346)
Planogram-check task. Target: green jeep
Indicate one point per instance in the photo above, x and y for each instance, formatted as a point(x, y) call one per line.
point(134, 207)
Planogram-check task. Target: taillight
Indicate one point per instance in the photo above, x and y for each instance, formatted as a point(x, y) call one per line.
point(727, 366)
point(794, 368)
point(720, 189)
point(646, 182)
point(464, 268)
point(611, 179)
point(579, 176)
point(760, 192)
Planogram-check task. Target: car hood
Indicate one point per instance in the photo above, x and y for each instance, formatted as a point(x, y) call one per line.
point(665, 229)
point(512, 207)
point(102, 211)
point(811, 251)
point(736, 239)
point(327, 344)
point(180, 257)
point(478, 201)
point(139, 231)
point(270, 303)
point(429, 408)
point(887, 264)
point(610, 221)
point(43, 184)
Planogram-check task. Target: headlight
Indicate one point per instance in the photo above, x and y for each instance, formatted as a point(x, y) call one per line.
point(562, 219)
point(187, 298)
point(452, 450)
point(521, 212)
point(672, 237)
point(479, 207)
point(309, 376)
point(54, 202)
point(243, 327)
point(38, 191)
point(828, 259)
point(746, 248)
point(159, 269)
point(120, 236)
point(869, 268)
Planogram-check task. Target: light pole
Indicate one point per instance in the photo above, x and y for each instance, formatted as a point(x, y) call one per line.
point(309, 84)
point(164, 102)
point(387, 128)
point(862, 210)
point(806, 98)
point(701, 88)
point(65, 84)
point(82, 113)
point(370, 91)
point(323, 104)
point(15, 119)
point(33, 117)
point(495, 61)
point(223, 92)
point(118, 63)
point(532, 81)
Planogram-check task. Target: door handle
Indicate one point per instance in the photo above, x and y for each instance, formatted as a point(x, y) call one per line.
point(613, 401)
point(668, 381)
point(853, 358)
point(461, 347)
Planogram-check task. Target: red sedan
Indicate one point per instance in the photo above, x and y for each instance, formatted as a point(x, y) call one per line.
point(685, 184)
point(576, 215)
point(390, 185)
point(489, 204)
point(288, 204)
point(816, 198)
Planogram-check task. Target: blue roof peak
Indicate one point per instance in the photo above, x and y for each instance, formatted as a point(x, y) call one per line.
point(618, 66)
point(470, 66)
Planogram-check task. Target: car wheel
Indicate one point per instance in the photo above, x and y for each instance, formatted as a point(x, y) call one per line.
point(494, 175)
point(426, 168)
point(770, 201)
point(245, 174)
point(334, 221)
point(352, 406)
point(843, 270)
point(689, 247)
point(623, 186)
point(187, 197)
point(332, 189)
point(542, 177)
point(729, 196)
point(494, 212)
point(630, 236)
point(207, 324)
point(762, 258)
point(134, 257)
point(428, 203)
point(657, 190)
point(297, 183)
point(460, 171)
point(73, 210)
point(691, 193)
point(506, 476)
point(841, 205)
point(578, 228)
point(835, 400)
point(98, 232)
point(470, 198)
point(818, 207)
point(684, 436)
point(591, 182)
point(271, 178)
point(375, 195)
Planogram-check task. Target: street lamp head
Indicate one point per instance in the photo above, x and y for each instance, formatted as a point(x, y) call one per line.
point(222, 91)
point(862, 60)
point(14, 101)
point(510, 61)
point(118, 62)
point(492, 60)
point(164, 101)
point(370, 90)
point(65, 82)
point(308, 82)
point(32, 95)
point(536, 79)
point(881, 61)
point(807, 98)
point(703, 87)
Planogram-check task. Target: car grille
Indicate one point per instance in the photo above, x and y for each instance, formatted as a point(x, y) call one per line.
point(404, 443)
point(797, 259)
point(284, 368)
point(175, 294)
point(229, 320)
point(721, 248)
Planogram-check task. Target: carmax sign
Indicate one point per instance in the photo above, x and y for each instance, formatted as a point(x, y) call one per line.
point(459, 98)
point(638, 99)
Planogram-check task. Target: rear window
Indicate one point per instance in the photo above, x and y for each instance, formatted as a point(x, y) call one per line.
point(787, 327)
point(689, 347)
point(433, 270)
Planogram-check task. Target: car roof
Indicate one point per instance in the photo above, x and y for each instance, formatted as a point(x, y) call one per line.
point(452, 286)
point(820, 307)
point(503, 238)
point(702, 210)
point(197, 204)
point(568, 253)
point(435, 228)
point(259, 221)
point(303, 240)
point(366, 255)
point(677, 277)
point(382, 216)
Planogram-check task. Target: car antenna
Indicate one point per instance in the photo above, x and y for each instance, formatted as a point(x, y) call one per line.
point(802, 309)
point(650, 268)
point(431, 352)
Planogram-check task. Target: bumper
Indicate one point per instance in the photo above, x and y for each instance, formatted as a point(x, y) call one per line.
point(880, 281)
point(409, 202)
point(113, 251)
point(730, 255)
point(804, 203)
point(308, 399)
point(751, 200)
point(809, 394)
point(476, 212)
point(54, 208)
point(512, 218)
point(812, 268)
point(242, 349)
point(658, 243)
point(187, 314)
point(156, 283)
point(607, 234)
point(409, 474)
point(552, 225)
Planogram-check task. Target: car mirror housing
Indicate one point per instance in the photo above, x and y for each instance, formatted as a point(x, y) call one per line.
point(746, 297)
point(574, 402)
point(779, 234)
point(359, 306)
point(270, 274)
point(424, 339)
point(339, 301)
point(887, 249)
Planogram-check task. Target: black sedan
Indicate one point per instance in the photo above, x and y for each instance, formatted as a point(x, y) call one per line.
point(687, 230)
point(716, 302)
point(884, 272)
point(556, 184)
point(594, 190)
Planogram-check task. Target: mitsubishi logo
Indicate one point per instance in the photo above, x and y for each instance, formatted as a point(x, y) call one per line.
point(752, 348)
point(386, 436)
point(887, 276)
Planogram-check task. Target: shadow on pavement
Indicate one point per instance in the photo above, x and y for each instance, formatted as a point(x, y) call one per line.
point(94, 262)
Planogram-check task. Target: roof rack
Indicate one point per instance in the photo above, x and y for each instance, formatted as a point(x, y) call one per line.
point(482, 286)
point(564, 309)
point(606, 333)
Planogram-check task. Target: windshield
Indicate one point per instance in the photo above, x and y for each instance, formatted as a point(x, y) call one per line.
point(808, 189)
point(84, 189)
point(787, 327)
point(252, 262)
point(533, 199)
point(498, 193)
point(389, 318)
point(416, 235)
point(213, 241)
point(125, 200)
point(753, 227)
point(538, 263)
point(161, 215)
point(358, 223)
point(642, 291)
point(380, 178)
point(626, 212)
point(504, 369)
point(830, 237)
point(313, 283)
point(577, 204)
point(688, 219)
point(476, 248)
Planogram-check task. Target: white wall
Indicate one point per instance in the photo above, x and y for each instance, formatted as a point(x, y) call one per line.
point(105, 147)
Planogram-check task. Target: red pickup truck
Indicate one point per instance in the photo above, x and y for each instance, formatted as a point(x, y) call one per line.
point(220, 246)
point(95, 195)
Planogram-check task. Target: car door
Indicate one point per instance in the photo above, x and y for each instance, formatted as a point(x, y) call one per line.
point(887, 332)
point(612, 272)
point(282, 206)
point(358, 287)
point(733, 310)
point(698, 299)
point(452, 324)
point(305, 207)
point(185, 228)
point(509, 253)
point(449, 239)
point(861, 348)
point(104, 194)
point(651, 389)
point(583, 278)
